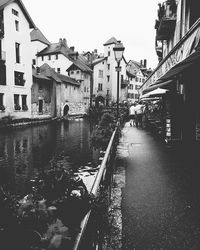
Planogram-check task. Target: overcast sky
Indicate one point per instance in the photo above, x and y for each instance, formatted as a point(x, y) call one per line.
point(88, 24)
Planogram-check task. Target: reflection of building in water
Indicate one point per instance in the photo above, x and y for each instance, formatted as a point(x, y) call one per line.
point(24, 152)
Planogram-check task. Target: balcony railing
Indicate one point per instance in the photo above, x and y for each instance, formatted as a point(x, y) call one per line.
point(166, 20)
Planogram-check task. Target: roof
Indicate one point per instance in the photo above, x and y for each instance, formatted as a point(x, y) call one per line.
point(46, 70)
point(111, 41)
point(68, 79)
point(40, 75)
point(36, 35)
point(98, 60)
point(4, 3)
point(60, 47)
point(49, 72)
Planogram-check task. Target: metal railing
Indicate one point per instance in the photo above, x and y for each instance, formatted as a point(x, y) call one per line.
point(105, 167)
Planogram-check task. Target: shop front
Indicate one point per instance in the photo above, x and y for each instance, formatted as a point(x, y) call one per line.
point(178, 73)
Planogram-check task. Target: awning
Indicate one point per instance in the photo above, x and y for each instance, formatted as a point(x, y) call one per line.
point(159, 84)
point(166, 80)
point(154, 93)
point(182, 66)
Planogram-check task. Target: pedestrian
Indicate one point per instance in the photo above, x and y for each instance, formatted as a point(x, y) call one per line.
point(132, 114)
point(139, 111)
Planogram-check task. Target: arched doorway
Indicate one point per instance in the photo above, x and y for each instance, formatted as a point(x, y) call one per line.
point(100, 101)
point(65, 110)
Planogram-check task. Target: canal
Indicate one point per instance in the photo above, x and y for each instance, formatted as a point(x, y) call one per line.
point(26, 151)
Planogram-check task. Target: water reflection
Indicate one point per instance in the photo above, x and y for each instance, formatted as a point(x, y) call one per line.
point(23, 152)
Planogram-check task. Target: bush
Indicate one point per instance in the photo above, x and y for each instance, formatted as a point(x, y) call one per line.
point(103, 132)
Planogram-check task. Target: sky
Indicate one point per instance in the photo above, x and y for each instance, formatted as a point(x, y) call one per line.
point(88, 24)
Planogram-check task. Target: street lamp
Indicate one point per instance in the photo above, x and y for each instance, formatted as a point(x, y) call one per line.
point(118, 50)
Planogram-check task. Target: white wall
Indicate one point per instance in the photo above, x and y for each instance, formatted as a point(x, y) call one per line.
point(37, 46)
point(8, 45)
point(62, 62)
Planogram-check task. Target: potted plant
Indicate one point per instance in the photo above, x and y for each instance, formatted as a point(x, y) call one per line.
point(24, 107)
point(17, 107)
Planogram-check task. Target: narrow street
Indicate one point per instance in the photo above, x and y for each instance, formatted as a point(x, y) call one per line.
point(161, 197)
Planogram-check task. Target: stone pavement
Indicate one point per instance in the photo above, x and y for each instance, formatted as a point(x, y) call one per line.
point(156, 195)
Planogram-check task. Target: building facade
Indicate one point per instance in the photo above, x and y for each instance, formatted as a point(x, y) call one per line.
point(137, 74)
point(177, 46)
point(105, 76)
point(15, 60)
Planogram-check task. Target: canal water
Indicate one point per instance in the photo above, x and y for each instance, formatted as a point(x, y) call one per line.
point(26, 151)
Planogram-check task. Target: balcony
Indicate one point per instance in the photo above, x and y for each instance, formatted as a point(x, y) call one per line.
point(166, 22)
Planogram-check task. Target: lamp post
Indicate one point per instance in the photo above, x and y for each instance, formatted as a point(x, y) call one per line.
point(118, 51)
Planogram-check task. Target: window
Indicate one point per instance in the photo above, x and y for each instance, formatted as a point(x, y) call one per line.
point(72, 72)
point(49, 57)
point(85, 89)
point(58, 70)
point(108, 66)
point(34, 62)
point(17, 52)
point(16, 102)
point(24, 104)
point(2, 108)
point(100, 86)
point(108, 78)
point(137, 87)
point(15, 12)
point(131, 86)
point(16, 25)
point(40, 106)
point(19, 80)
point(108, 53)
point(42, 58)
point(56, 56)
point(3, 75)
point(77, 71)
point(1, 99)
point(100, 73)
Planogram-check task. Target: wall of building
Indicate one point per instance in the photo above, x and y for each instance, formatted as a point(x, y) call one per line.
point(62, 62)
point(44, 93)
point(22, 37)
point(37, 46)
point(112, 84)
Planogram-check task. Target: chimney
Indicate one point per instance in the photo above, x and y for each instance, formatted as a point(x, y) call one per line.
point(95, 51)
point(60, 41)
point(64, 42)
point(72, 48)
point(141, 63)
point(145, 63)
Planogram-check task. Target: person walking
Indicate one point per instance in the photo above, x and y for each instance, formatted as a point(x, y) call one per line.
point(139, 110)
point(132, 114)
